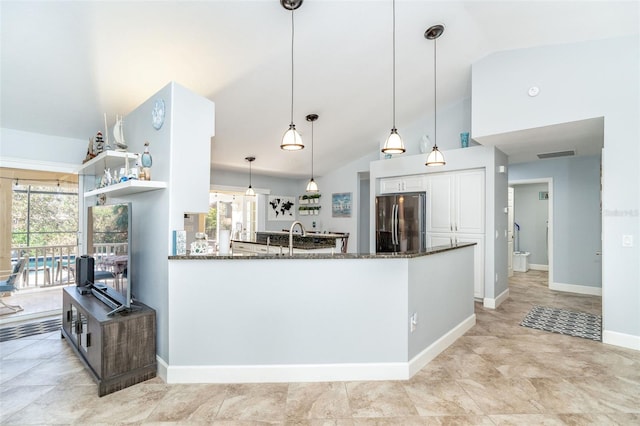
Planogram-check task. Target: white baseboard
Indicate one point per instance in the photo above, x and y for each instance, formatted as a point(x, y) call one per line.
point(494, 303)
point(576, 288)
point(311, 372)
point(162, 368)
point(437, 347)
point(287, 373)
point(537, 267)
point(620, 339)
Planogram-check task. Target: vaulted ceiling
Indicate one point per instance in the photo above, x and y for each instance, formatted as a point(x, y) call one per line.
point(64, 64)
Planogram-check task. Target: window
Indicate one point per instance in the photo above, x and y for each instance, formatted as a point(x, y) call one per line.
point(44, 215)
point(231, 211)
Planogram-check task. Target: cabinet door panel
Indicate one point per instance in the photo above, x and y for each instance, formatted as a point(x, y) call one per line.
point(440, 203)
point(390, 186)
point(469, 212)
point(434, 240)
point(414, 183)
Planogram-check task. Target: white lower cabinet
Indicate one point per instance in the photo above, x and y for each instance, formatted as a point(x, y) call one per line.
point(449, 239)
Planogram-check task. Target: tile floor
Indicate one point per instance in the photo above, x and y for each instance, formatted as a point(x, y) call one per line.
point(498, 373)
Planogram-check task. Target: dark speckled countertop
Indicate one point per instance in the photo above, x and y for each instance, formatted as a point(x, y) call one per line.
point(240, 256)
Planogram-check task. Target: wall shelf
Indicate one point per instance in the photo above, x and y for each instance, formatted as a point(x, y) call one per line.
point(115, 160)
point(127, 188)
point(106, 160)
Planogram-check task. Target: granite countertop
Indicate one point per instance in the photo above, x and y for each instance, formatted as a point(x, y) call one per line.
point(307, 234)
point(409, 255)
point(310, 240)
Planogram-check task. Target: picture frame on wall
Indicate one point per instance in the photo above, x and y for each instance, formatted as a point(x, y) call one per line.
point(281, 207)
point(341, 204)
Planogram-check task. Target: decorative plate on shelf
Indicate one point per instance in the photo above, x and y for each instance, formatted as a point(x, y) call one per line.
point(157, 115)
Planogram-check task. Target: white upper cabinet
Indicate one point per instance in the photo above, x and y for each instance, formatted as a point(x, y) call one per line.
point(456, 202)
point(469, 193)
point(414, 183)
point(440, 203)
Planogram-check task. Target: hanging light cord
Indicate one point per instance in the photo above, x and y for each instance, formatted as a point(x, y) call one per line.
point(435, 94)
point(394, 64)
point(312, 150)
point(250, 174)
point(292, 36)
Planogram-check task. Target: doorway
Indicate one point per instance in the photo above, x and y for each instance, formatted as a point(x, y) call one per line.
point(364, 210)
point(531, 231)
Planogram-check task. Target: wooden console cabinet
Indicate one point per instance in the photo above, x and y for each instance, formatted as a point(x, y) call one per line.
point(119, 350)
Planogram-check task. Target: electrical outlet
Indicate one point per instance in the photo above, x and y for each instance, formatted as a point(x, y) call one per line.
point(627, 241)
point(413, 322)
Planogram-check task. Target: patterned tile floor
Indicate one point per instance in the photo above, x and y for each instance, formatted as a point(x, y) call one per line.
point(499, 373)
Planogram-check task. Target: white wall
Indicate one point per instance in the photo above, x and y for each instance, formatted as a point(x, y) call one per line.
point(581, 81)
point(36, 151)
point(180, 158)
point(453, 119)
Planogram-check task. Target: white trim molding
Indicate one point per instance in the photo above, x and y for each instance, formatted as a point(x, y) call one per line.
point(433, 350)
point(283, 373)
point(621, 339)
point(46, 166)
point(163, 367)
point(538, 267)
point(494, 303)
point(576, 288)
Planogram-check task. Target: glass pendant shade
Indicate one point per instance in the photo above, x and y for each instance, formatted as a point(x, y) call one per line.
point(312, 186)
point(435, 158)
point(393, 144)
point(291, 141)
point(250, 192)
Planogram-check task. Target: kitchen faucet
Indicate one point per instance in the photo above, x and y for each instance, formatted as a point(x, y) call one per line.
point(293, 225)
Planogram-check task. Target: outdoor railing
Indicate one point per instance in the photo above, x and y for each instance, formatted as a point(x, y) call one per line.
point(55, 265)
point(47, 265)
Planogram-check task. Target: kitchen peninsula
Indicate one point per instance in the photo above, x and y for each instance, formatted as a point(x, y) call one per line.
point(315, 317)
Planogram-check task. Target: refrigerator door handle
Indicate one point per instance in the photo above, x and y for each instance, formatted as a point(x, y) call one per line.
point(394, 224)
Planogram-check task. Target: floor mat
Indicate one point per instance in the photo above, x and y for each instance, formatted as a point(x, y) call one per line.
point(562, 321)
point(29, 329)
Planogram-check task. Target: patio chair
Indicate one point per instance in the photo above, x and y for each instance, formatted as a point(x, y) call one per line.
point(8, 285)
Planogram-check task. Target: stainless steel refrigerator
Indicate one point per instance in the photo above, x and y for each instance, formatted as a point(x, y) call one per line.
point(401, 222)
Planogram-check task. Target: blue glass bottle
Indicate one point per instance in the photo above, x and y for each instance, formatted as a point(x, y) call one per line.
point(146, 161)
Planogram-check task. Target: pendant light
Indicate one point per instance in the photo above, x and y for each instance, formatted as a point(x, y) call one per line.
point(435, 157)
point(312, 186)
point(250, 192)
point(291, 141)
point(393, 144)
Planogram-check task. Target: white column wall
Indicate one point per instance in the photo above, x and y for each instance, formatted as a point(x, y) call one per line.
point(581, 81)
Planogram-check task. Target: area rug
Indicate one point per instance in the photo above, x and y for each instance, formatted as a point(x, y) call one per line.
point(562, 321)
point(30, 329)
